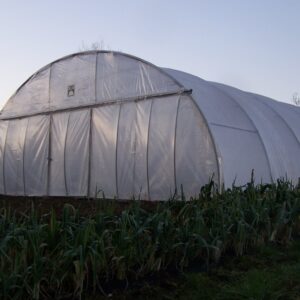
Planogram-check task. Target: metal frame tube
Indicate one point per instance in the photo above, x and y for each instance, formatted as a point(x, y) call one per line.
point(105, 103)
point(23, 158)
point(147, 151)
point(116, 159)
point(90, 154)
point(49, 158)
point(4, 150)
point(174, 145)
point(65, 146)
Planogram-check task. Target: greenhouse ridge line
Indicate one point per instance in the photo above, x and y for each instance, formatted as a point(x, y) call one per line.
point(104, 103)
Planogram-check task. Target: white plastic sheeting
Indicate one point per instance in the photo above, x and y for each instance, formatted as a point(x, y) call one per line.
point(87, 78)
point(77, 153)
point(31, 97)
point(161, 141)
point(141, 158)
point(106, 123)
point(104, 141)
point(58, 133)
point(125, 77)
point(126, 145)
point(3, 132)
point(72, 82)
point(36, 156)
point(193, 149)
point(14, 157)
point(251, 132)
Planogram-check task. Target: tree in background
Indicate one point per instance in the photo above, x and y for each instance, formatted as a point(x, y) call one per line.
point(94, 46)
point(296, 99)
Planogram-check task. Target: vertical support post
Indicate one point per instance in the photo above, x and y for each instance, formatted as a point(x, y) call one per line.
point(90, 155)
point(147, 151)
point(65, 146)
point(49, 158)
point(134, 150)
point(4, 150)
point(116, 159)
point(174, 145)
point(23, 158)
point(96, 75)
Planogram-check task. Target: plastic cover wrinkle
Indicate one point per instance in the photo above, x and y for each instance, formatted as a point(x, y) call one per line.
point(72, 82)
point(161, 148)
point(196, 163)
point(57, 171)
point(103, 160)
point(3, 134)
point(281, 146)
point(140, 154)
point(31, 98)
point(36, 156)
point(14, 163)
point(119, 76)
point(126, 151)
point(76, 153)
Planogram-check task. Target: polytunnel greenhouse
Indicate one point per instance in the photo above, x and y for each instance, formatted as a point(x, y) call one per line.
point(106, 122)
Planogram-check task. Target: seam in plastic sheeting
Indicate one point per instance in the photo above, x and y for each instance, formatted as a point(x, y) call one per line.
point(246, 113)
point(232, 127)
point(281, 117)
point(282, 132)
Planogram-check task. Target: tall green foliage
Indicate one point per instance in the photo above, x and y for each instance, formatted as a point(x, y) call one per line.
point(50, 257)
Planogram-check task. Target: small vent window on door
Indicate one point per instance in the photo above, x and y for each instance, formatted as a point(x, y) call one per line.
point(71, 90)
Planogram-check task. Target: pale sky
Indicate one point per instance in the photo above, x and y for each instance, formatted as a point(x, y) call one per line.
point(253, 45)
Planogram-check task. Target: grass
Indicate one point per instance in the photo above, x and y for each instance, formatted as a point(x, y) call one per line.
point(270, 272)
point(68, 255)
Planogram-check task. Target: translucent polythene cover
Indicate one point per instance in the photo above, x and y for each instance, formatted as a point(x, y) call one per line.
point(194, 150)
point(161, 168)
point(14, 157)
point(104, 141)
point(3, 132)
point(36, 156)
point(251, 132)
point(32, 97)
point(107, 124)
point(77, 153)
point(87, 78)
